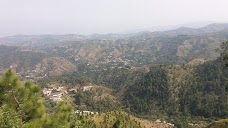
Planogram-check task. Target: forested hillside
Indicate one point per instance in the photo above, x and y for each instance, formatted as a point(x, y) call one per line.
point(202, 92)
point(175, 46)
point(161, 91)
point(177, 78)
point(21, 106)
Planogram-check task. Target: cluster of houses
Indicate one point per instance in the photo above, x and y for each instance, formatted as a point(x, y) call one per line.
point(86, 88)
point(193, 124)
point(126, 64)
point(86, 113)
point(163, 121)
point(37, 73)
point(56, 93)
point(170, 124)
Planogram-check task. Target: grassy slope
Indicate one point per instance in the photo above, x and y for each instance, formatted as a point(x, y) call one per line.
point(219, 124)
point(125, 119)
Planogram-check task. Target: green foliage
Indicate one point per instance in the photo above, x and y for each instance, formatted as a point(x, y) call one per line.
point(224, 53)
point(150, 93)
point(96, 100)
point(9, 118)
point(202, 92)
point(206, 95)
point(67, 78)
point(62, 116)
point(219, 124)
point(116, 119)
point(116, 124)
point(22, 106)
point(25, 60)
point(22, 97)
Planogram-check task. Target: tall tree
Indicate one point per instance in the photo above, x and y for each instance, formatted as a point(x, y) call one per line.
point(22, 97)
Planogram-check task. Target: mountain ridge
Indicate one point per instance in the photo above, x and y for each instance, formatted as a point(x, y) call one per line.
point(214, 27)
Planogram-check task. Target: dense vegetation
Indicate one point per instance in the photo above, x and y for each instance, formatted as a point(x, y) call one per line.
point(175, 91)
point(97, 100)
point(22, 106)
point(178, 90)
point(149, 93)
point(23, 60)
point(224, 52)
point(219, 124)
point(206, 95)
point(203, 92)
point(116, 119)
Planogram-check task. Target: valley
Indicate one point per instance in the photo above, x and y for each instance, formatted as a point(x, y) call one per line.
point(173, 78)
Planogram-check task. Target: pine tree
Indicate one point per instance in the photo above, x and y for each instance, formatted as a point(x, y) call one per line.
point(22, 97)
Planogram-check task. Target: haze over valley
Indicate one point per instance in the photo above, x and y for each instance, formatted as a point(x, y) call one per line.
point(113, 64)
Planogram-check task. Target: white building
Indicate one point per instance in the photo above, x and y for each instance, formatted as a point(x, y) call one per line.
point(87, 88)
point(46, 92)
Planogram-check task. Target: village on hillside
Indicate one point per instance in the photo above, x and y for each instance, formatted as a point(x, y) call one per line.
point(56, 93)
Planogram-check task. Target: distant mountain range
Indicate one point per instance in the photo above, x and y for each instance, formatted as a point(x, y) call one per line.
point(30, 39)
point(181, 45)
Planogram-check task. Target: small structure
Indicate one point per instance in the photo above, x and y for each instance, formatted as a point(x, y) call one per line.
point(46, 92)
point(170, 124)
point(59, 89)
point(56, 98)
point(158, 121)
point(77, 111)
point(85, 113)
point(65, 92)
point(87, 88)
point(73, 90)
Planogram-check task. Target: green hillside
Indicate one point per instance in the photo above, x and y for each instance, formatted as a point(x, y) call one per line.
point(219, 124)
point(174, 77)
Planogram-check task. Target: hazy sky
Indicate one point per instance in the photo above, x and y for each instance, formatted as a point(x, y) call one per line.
point(104, 16)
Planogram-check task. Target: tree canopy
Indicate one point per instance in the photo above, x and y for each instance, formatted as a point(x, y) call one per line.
point(224, 52)
point(21, 105)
